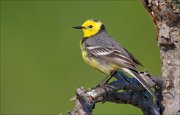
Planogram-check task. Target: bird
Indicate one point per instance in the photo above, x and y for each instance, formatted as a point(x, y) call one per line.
point(103, 53)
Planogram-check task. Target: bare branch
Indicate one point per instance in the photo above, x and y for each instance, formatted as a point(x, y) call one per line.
point(132, 93)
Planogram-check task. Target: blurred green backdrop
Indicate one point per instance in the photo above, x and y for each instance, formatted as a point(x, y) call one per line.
point(41, 64)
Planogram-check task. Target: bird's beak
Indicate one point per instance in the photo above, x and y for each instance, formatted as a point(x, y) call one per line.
point(78, 27)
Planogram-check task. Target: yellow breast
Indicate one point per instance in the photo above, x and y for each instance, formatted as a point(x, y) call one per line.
point(89, 60)
point(104, 67)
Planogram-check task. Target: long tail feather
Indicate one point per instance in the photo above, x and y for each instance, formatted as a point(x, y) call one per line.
point(138, 77)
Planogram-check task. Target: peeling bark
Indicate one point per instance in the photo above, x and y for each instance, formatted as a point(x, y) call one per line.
point(167, 20)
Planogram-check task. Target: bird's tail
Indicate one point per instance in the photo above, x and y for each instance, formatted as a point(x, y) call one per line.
point(136, 75)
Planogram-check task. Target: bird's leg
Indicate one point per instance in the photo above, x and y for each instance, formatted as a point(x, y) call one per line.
point(109, 77)
point(106, 79)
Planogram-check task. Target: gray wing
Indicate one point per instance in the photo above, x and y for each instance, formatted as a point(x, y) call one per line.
point(108, 49)
point(114, 56)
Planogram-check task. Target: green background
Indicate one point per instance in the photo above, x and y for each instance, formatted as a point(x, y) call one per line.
point(41, 64)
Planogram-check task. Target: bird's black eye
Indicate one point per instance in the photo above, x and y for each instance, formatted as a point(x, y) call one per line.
point(90, 26)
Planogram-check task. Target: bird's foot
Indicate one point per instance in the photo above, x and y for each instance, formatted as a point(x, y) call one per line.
point(106, 79)
point(101, 84)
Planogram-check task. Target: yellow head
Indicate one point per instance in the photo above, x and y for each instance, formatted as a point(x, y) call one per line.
point(90, 27)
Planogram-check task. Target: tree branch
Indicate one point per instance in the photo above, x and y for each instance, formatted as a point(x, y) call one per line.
point(133, 93)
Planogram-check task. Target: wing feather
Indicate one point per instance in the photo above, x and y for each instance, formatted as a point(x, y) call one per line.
point(114, 55)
